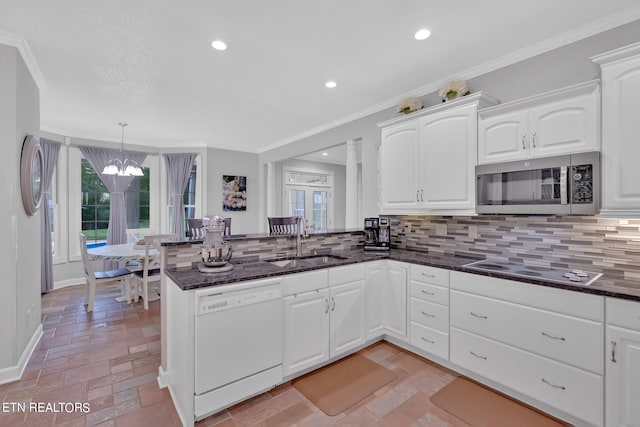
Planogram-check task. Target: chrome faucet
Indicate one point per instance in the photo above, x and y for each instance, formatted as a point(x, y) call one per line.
point(301, 232)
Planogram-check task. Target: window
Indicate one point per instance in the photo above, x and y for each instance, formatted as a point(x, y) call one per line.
point(95, 204)
point(189, 199)
point(54, 212)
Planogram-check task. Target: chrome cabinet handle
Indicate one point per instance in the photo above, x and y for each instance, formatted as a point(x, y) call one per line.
point(326, 306)
point(561, 387)
point(552, 337)
point(533, 139)
point(333, 302)
point(421, 194)
point(426, 340)
point(428, 315)
point(524, 139)
point(478, 356)
point(480, 316)
point(417, 195)
point(426, 292)
point(613, 352)
point(428, 275)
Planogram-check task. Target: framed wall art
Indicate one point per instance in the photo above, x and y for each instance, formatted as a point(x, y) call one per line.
point(234, 193)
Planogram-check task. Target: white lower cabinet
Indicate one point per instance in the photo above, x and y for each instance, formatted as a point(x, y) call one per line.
point(569, 389)
point(323, 323)
point(375, 281)
point(429, 310)
point(544, 343)
point(394, 307)
point(623, 363)
point(306, 330)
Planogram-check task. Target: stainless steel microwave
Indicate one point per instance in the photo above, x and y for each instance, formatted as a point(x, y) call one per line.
point(567, 184)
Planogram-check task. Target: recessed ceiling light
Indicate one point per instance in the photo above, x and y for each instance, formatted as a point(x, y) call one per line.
point(325, 154)
point(422, 34)
point(219, 45)
point(331, 84)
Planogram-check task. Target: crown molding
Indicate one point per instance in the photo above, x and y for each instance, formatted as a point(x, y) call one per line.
point(29, 59)
point(612, 21)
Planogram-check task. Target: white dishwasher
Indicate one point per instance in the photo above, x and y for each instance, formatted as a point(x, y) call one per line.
point(238, 343)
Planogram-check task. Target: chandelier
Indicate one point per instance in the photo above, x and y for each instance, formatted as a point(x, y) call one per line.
point(122, 166)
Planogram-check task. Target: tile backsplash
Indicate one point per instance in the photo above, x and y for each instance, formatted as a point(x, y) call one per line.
point(184, 255)
point(587, 242)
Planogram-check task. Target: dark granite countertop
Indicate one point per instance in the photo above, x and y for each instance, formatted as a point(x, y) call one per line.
point(189, 279)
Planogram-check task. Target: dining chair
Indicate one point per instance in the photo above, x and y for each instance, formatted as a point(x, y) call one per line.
point(95, 278)
point(283, 225)
point(227, 226)
point(134, 235)
point(150, 272)
point(195, 228)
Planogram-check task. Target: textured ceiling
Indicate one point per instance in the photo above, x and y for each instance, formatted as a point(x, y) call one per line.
point(150, 62)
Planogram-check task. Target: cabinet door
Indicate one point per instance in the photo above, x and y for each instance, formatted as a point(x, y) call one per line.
point(306, 330)
point(395, 301)
point(566, 126)
point(376, 278)
point(623, 377)
point(448, 153)
point(503, 138)
point(399, 167)
point(348, 321)
point(620, 136)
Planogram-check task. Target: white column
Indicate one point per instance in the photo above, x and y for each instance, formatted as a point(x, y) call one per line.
point(351, 214)
point(271, 190)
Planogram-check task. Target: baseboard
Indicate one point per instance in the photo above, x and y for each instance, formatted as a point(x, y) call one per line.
point(14, 373)
point(66, 283)
point(163, 377)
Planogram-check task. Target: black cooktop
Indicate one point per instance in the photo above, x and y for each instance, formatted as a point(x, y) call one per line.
point(552, 274)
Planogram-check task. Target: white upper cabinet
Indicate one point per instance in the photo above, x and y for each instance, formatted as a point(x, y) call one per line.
point(399, 167)
point(448, 156)
point(427, 160)
point(620, 131)
point(559, 122)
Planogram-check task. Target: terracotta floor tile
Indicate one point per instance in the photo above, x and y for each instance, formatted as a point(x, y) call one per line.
point(158, 414)
point(86, 373)
point(289, 416)
point(150, 393)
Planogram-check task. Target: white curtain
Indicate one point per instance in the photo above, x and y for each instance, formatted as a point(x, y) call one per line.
point(50, 151)
point(99, 157)
point(178, 171)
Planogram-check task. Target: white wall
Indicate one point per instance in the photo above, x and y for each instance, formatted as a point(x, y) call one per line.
point(227, 162)
point(20, 250)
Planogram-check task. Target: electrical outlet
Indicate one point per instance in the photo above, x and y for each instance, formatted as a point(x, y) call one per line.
point(441, 229)
point(473, 232)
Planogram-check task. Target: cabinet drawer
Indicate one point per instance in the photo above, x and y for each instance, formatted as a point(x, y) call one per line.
point(430, 340)
point(571, 340)
point(573, 303)
point(428, 292)
point(304, 282)
point(435, 276)
point(571, 390)
point(346, 274)
point(428, 314)
point(623, 313)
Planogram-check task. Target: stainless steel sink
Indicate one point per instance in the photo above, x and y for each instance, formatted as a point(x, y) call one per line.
point(307, 260)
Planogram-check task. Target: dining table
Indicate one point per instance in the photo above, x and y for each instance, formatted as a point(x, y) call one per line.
point(131, 254)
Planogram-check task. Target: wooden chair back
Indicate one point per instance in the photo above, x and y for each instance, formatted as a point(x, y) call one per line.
point(283, 225)
point(195, 228)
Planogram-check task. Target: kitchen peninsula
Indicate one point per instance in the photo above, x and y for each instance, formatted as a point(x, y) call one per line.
point(298, 314)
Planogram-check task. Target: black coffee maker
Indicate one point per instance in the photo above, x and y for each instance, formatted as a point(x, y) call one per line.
point(377, 234)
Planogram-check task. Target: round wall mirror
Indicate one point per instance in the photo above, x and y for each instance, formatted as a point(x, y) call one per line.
point(31, 168)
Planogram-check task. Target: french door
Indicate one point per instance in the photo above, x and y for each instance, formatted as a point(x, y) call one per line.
point(314, 203)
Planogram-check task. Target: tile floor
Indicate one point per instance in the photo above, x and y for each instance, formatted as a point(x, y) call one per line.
point(109, 359)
